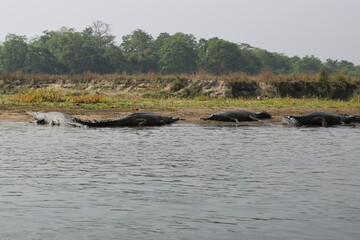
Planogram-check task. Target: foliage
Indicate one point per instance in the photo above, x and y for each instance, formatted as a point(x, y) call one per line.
point(178, 54)
point(138, 48)
point(89, 99)
point(13, 53)
point(39, 95)
point(308, 64)
point(356, 98)
point(196, 102)
point(94, 49)
point(221, 57)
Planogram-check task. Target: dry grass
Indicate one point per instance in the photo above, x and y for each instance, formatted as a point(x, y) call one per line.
point(89, 99)
point(201, 75)
point(39, 95)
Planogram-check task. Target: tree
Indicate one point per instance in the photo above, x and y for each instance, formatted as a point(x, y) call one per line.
point(273, 62)
point(308, 64)
point(252, 63)
point(41, 60)
point(73, 50)
point(13, 53)
point(222, 57)
point(116, 61)
point(138, 48)
point(178, 54)
point(100, 34)
point(161, 40)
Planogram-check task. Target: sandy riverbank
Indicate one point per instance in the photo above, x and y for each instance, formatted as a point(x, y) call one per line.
point(190, 114)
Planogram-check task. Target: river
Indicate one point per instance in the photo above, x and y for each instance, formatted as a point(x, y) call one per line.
point(181, 181)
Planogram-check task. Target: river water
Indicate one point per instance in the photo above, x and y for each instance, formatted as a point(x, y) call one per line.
point(181, 181)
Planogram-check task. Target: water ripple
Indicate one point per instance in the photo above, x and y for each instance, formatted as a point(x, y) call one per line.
point(179, 182)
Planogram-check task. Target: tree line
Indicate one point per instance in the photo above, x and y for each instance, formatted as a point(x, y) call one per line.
point(94, 49)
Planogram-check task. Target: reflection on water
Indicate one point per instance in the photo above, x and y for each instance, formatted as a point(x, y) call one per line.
point(179, 182)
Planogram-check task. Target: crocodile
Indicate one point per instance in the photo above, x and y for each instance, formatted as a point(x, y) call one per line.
point(134, 119)
point(238, 115)
point(55, 119)
point(138, 119)
point(319, 119)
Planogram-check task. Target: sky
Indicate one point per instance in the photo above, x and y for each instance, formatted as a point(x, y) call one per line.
point(323, 28)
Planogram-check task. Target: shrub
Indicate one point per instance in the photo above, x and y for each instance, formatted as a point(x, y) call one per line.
point(91, 98)
point(355, 98)
point(39, 95)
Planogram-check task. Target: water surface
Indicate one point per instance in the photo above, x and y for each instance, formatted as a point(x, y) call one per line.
point(180, 181)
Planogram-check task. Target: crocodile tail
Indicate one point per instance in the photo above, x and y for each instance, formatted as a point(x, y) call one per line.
point(89, 123)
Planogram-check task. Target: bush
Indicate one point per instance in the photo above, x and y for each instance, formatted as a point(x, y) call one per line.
point(39, 95)
point(91, 98)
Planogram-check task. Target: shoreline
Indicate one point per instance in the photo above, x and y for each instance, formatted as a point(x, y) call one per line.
point(189, 114)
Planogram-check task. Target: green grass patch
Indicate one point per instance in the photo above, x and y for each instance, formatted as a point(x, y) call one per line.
point(58, 99)
point(89, 99)
point(38, 95)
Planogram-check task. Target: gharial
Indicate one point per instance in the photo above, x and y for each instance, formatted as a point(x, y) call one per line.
point(319, 119)
point(132, 120)
point(238, 115)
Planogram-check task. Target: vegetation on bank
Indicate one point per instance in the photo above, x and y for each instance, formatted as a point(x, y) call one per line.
point(20, 77)
point(94, 49)
point(58, 99)
point(200, 84)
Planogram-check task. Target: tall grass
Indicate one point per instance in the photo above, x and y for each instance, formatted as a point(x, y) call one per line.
point(201, 75)
point(61, 99)
point(89, 99)
point(39, 95)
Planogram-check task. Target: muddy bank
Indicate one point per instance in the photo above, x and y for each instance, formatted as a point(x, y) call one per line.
point(190, 114)
point(185, 87)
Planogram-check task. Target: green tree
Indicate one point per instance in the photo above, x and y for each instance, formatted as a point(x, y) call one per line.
point(178, 54)
point(106, 57)
point(100, 34)
point(355, 71)
point(161, 40)
point(331, 66)
point(252, 64)
point(273, 62)
point(335, 66)
point(138, 48)
point(222, 57)
point(116, 61)
point(13, 53)
point(308, 64)
point(73, 50)
point(40, 60)
point(2, 70)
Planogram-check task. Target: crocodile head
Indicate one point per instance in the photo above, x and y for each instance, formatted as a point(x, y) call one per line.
point(38, 116)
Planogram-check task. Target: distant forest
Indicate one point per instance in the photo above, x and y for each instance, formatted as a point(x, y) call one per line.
point(94, 50)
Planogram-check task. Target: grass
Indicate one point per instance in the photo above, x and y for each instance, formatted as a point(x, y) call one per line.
point(38, 95)
point(89, 99)
point(49, 95)
point(59, 99)
point(261, 77)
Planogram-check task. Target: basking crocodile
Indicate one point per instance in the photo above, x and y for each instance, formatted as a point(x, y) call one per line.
point(320, 118)
point(134, 119)
point(238, 115)
point(55, 119)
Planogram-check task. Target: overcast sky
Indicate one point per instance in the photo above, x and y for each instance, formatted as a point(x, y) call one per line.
point(323, 28)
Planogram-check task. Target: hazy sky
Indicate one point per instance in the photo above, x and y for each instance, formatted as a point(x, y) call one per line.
point(323, 28)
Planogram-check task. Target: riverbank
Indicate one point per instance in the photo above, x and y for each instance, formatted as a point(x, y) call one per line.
point(190, 114)
point(240, 85)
